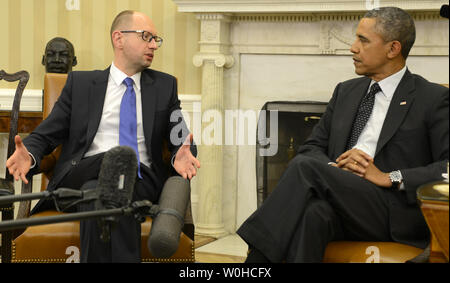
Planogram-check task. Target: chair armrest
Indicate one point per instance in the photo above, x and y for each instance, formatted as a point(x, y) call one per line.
point(49, 161)
point(4, 192)
point(6, 187)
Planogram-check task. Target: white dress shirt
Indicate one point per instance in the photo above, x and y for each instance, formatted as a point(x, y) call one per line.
point(107, 135)
point(368, 139)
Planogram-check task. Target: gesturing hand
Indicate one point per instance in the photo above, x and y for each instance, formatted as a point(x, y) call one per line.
point(20, 162)
point(185, 163)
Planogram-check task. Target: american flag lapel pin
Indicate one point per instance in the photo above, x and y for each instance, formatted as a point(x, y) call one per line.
point(403, 103)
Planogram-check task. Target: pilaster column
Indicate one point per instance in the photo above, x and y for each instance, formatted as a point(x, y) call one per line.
point(212, 58)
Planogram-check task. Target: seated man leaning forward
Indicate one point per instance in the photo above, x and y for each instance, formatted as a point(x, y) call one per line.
point(356, 176)
point(126, 104)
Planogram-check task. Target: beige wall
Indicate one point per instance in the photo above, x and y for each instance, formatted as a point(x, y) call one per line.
point(27, 26)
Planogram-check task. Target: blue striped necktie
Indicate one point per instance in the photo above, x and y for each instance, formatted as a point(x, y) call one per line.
point(128, 121)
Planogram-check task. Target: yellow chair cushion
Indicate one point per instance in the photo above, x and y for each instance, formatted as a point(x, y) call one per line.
point(60, 242)
point(377, 252)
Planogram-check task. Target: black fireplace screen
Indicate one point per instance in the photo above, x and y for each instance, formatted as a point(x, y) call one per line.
point(295, 123)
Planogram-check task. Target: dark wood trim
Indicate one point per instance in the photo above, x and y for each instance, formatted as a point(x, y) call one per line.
point(28, 121)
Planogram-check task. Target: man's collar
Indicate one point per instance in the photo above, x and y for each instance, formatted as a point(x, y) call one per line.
point(389, 85)
point(118, 76)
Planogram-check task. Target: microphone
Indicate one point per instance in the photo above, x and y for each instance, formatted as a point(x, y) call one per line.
point(115, 183)
point(166, 226)
point(444, 11)
point(113, 195)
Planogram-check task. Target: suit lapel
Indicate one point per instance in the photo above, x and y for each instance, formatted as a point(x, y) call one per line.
point(149, 100)
point(351, 100)
point(95, 105)
point(401, 101)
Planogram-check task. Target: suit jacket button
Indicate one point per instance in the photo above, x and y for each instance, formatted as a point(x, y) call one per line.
point(74, 163)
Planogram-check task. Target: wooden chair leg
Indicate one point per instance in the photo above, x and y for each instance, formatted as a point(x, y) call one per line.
point(7, 214)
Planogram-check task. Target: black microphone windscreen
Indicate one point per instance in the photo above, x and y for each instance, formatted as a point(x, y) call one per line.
point(117, 178)
point(444, 11)
point(166, 227)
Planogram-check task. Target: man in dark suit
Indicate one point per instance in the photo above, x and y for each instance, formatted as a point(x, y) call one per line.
point(126, 104)
point(356, 176)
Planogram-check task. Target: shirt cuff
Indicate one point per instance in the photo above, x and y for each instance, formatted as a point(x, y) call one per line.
point(173, 161)
point(34, 161)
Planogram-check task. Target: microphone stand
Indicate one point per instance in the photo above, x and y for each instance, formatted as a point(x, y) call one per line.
point(61, 193)
point(139, 209)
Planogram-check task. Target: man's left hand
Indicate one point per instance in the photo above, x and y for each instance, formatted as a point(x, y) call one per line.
point(374, 175)
point(185, 163)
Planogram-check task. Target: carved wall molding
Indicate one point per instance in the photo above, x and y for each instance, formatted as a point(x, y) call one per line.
point(335, 34)
point(31, 99)
point(295, 6)
point(330, 31)
point(220, 60)
point(214, 17)
point(314, 17)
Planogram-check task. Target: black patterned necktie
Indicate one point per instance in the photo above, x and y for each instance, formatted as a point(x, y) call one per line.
point(364, 111)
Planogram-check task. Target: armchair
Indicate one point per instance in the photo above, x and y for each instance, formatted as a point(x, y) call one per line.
point(303, 116)
point(7, 183)
point(61, 242)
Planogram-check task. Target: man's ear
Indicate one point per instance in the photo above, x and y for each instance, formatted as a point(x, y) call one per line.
point(43, 60)
point(395, 49)
point(117, 39)
point(74, 62)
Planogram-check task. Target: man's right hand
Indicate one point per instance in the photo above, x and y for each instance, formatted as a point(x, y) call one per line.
point(20, 162)
point(355, 161)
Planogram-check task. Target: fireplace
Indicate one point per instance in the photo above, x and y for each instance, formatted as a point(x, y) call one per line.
point(295, 123)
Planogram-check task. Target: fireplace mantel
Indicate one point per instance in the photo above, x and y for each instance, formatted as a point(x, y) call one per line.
point(300, 6)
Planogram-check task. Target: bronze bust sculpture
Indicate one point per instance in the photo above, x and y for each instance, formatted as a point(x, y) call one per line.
point(59, 56)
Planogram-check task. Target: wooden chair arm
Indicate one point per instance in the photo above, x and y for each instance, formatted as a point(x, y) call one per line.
point(49, 161)
point(25, 206)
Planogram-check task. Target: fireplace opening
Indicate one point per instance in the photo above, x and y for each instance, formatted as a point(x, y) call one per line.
point(295, 123)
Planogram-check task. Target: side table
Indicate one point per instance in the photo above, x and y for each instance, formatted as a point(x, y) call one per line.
point(433, 198)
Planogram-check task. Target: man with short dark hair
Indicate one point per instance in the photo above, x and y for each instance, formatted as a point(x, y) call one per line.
point(59, 56)
point(355, 177)
point(127, 104)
